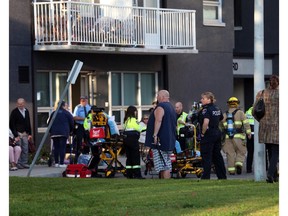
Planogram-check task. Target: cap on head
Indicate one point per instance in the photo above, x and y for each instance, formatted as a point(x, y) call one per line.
point(94, 108)
point(233, 102)
point(83, 97)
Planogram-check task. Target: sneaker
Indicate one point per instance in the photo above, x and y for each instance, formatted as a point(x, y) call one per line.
point(20, 166)
point(26, 166)
point(56, 165)
point(62, 165)
point(13, 168)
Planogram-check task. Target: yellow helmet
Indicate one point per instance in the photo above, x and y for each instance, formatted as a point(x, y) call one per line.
point(233, 101)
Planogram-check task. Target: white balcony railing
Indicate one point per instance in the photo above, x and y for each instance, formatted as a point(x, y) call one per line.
point(69, 23)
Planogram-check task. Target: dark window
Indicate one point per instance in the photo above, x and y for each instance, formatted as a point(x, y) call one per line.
point(237, 13)
point(23, 73)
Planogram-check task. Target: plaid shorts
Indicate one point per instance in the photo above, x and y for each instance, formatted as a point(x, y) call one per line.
point(159, 160)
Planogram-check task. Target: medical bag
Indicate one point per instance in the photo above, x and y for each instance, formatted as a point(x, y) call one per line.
point(97, 133)
point(77, 171)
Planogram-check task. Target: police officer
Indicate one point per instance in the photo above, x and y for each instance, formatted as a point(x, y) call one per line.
point(210, 144)
point(79, 114)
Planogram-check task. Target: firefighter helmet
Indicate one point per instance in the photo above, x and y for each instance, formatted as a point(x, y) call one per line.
point(233, 101)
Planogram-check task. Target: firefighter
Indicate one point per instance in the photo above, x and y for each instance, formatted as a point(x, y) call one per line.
point(236, 127)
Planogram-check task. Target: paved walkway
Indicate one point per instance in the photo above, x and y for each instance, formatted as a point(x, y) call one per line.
point(45, 171)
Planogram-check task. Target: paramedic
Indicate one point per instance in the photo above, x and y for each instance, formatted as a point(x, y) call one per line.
point(132, 131)
point(250, 142)
point(161, 134)
point(236, 126)
point(181, 123)
point(210, 144)
point(96, 148)
point(79, 114)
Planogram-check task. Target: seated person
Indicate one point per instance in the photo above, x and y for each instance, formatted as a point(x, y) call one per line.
point(84, 157)
point(14, 151)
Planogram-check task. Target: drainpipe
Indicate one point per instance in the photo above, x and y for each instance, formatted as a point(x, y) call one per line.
point(259, 149)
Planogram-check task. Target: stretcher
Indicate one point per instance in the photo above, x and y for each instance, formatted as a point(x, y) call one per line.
point(111, 149)
point(190, 161)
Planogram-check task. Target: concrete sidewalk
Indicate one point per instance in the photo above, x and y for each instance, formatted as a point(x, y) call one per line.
point(39, 171)
point(45, 171)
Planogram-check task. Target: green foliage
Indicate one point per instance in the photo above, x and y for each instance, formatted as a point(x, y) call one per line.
point(119, 196)
point(43, 156)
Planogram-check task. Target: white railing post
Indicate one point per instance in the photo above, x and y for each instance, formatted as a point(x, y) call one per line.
point(36, 24)
point(69, 23)
point(194, 30)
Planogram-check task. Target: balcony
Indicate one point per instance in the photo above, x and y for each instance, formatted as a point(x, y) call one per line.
point(68, 26)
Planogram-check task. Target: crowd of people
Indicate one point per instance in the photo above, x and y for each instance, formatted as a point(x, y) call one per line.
point(230, 133)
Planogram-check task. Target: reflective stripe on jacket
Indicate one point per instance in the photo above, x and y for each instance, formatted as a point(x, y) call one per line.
point(182, 117)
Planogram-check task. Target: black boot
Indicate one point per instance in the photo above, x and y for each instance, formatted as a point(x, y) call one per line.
point(129, 174)
point(94, 174)
point(269, 179)
point(137, 174)
point(239, 170)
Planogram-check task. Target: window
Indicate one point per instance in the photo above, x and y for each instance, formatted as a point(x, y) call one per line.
point(237, 15)
point(132, 88)
point(123, 89)
point(49, 87)
point(212, 12)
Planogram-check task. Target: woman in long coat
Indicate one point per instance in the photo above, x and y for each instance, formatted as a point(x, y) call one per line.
point(269, 126)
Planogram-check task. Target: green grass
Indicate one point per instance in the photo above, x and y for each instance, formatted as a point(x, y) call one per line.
point(70, 196)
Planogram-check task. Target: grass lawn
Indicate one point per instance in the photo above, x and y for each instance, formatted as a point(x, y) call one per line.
point(102, 196)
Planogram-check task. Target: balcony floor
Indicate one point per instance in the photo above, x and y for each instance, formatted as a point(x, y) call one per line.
point(112, 49)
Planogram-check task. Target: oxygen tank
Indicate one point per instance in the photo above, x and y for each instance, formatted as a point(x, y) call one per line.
point(230, 125)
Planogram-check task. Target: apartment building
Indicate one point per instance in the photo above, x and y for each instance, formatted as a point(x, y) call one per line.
point(243, 53)
point(129, 48)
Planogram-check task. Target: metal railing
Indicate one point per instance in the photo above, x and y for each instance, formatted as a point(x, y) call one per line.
point(68, 22)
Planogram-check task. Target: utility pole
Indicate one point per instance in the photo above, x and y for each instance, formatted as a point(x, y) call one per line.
point(259, 149)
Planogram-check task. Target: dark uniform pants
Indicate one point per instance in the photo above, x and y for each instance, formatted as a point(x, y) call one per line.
point(133, 167)
point(210, 147)
point(80, 135)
